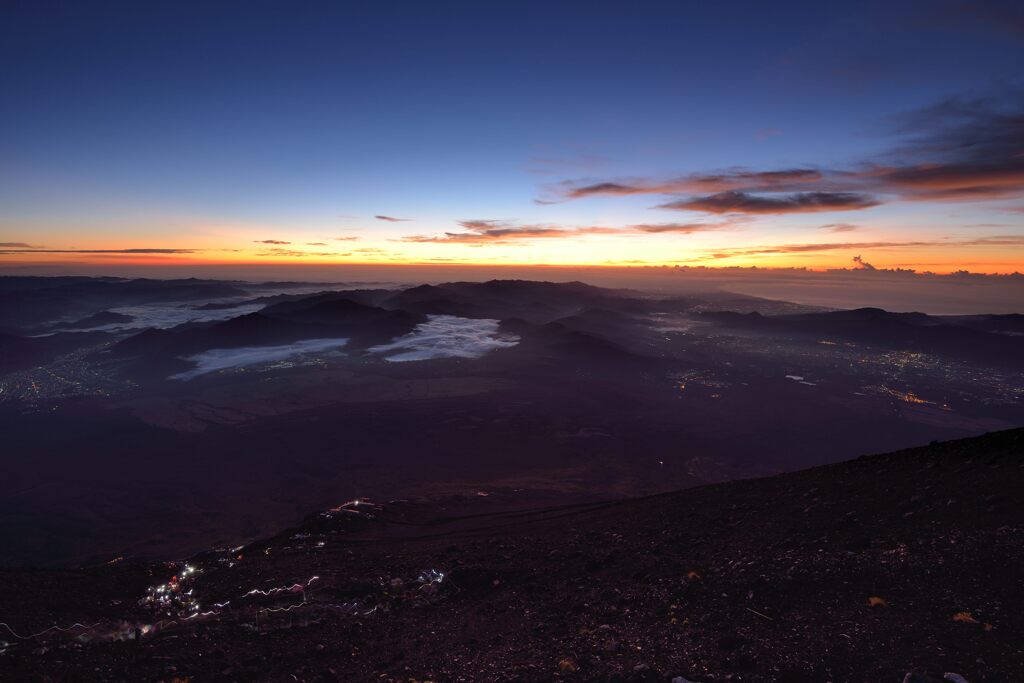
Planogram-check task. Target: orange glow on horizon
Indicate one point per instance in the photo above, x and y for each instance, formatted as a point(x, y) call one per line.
point(981, 263)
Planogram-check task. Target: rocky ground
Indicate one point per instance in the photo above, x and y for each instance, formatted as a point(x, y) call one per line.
point(891, 566)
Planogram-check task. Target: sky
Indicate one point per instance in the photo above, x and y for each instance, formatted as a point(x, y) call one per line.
point(870, 135)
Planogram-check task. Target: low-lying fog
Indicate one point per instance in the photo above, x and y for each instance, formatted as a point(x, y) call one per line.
point(223, 359)
point(167, 314)
point(442, 336)
point(447, 336)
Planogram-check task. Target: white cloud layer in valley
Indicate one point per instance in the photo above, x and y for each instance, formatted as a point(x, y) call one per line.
point(245, 356)
point(447, 336)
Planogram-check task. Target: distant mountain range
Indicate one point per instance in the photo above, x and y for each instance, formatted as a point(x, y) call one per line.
point(32, 301)
point(274, 399)
point(577, 313)
point(987, 338)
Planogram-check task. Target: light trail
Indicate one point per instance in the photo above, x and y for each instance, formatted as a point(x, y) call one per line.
point(200, 614)
point(294, 588)
point(284, 609)
point(176, 595)
point(61, 629)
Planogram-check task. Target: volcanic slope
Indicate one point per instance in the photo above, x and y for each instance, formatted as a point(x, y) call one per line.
point(860, 571)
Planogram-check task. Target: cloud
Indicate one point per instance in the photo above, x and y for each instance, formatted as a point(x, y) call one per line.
point(102, 251)
point(447, 336)
point(223, 359)
point(956, 150)
point(840, 227)
point(678, 228)
point(164, 315)
point(316, 244)
point(735, 201)
point(345, 239)
point(736, 179)
point(18, 245)
point(277, 251)
point(392, 219)
point(997, 240)
point(271, 242)
point(862, 264)
point(813, 247)
point(990, 15)
point(802, 248)
point(610, 189)
point(493, 231)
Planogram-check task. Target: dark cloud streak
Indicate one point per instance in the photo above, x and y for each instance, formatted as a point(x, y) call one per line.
point(101, 251)
point(800, 202)
point(956, 150)
point(498, 232)
point(738, 179)
point(814, 247)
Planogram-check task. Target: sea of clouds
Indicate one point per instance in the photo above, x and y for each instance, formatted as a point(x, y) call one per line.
point(447, 336)
point(167, 314)
point(245, 356)
point(442, 336)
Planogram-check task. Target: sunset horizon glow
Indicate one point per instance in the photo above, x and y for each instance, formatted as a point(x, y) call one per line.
point(860, 138)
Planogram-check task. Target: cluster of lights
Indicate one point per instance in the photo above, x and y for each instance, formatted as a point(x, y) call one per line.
point(176, 602)
point(174, 598)
point(905, 396)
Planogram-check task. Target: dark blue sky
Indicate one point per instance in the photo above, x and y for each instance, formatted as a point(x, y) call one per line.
point(209, 125)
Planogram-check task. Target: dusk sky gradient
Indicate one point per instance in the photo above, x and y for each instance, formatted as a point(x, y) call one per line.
point(602, 133)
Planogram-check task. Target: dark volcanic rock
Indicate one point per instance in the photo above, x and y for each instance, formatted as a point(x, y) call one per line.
point(860, 571)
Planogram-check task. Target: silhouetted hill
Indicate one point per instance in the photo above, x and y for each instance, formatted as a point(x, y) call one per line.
point(600, 321)
point(254, 329)
point(18, 352)
point(537, 302)
point(30, 301)
point(967, 337)
point(1009, 323)
point(280, 302)
point(97, 320)
point(312, 318)
point(569, 348)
